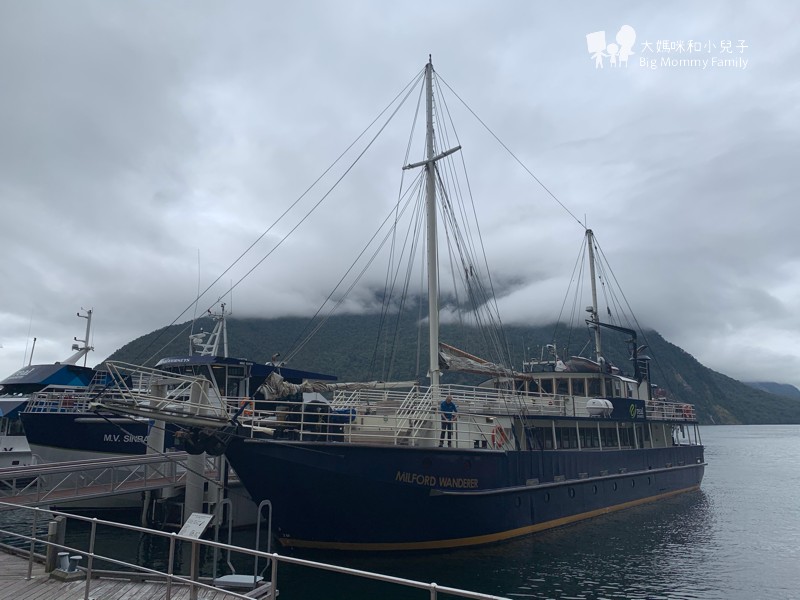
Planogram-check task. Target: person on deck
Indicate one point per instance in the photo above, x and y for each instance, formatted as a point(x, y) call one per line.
point(449, 414)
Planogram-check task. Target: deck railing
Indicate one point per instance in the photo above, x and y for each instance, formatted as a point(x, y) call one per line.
point(274, 560)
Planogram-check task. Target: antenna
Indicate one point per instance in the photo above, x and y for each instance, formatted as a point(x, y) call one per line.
point(197, 299)
point(32, 349)
point(27, 338)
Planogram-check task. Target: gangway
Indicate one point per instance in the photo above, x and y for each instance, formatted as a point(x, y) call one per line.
point(48, 484)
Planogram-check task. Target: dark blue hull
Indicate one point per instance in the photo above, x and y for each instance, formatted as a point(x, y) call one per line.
point(353, 497)
point(88, 432)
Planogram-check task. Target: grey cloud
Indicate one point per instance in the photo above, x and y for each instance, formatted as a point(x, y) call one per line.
point(132, 135)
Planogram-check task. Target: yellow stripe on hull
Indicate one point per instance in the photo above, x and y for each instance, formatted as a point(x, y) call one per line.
point(479, 539)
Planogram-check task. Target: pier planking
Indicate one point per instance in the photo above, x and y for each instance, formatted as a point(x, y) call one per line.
point(14, 586)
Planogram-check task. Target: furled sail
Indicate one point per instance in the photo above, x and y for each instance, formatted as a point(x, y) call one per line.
point(276, 387)
point(453, 359)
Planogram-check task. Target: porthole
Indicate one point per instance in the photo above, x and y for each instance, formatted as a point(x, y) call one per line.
point(615, 486)
point(633, 483)
point(649, 481)
point(517, 501)
point(467, 465)
point(571, 492)
point(547, 496)
point(426, 464)
point(594, 489)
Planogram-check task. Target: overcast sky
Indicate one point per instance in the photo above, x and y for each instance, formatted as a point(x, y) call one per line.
point(133, 135)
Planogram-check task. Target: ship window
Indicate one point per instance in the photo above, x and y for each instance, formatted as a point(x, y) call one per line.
point(579, 387)
point(14, 463)
point(548, 439)
point(219, 377)
point(517, 501)
point(235, 388)
point(533, 386)
point(648, 481)
point(15, 427)
point(615, 486)
point(617, 390)
point(562, 386)
point(567, 438)
point(594, 387)
point(594, 489)
point(570, 438)
point(571, 492)
point(589, 438)
point(633, 483)
point(623, 437)
point(630, 390)
point(236, 371)
point(547, 496)
point(547, 386)
point(609, 437)
point(607, 391)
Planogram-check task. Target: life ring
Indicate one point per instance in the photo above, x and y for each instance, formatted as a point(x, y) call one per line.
point(687, 411)
point(498, 437)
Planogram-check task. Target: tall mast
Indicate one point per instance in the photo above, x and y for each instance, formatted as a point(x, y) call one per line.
point(430, 203)
point(595, 315)
point(81, 352)
point(433, 259)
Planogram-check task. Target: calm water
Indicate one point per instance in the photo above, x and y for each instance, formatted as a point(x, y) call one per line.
point(738, 537)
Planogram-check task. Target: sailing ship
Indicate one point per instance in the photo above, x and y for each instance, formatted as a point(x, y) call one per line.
point(369, 470)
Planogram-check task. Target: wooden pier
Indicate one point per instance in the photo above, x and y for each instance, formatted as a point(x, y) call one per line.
point(15, 586)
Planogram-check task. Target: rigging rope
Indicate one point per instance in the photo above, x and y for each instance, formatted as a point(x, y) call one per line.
point(409, 86)
point(644, 337)
point(299, 347)
point(577, 220)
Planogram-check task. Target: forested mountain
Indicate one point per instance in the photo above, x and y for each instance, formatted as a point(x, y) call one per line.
point(348, 346)
point(782, 389)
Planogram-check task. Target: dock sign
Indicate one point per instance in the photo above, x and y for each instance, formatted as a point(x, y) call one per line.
point(195, 526)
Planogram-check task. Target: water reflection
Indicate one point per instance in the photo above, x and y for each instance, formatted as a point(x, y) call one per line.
point(738, 537)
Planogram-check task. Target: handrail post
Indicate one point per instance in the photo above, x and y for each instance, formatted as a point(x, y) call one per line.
point(171, 559)
point(194, 570)
point(433, 591)
point(302, 419)
point(33, 543)
point(91, 559)
point(273, 580)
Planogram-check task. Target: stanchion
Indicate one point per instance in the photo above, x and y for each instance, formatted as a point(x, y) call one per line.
point(33, 542)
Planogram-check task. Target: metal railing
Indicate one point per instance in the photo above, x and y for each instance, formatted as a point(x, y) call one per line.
point(660, 408)
point(378, 424)
point(194, 580)
point(63, 482)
